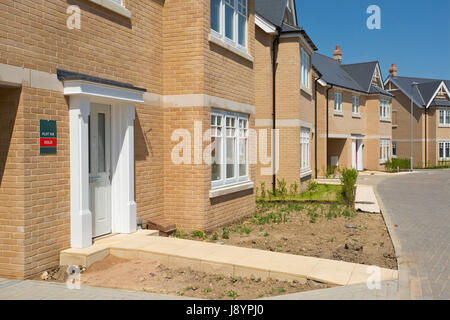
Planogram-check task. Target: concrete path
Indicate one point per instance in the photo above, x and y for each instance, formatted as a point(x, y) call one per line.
point(416, 207)
point(222, 259)
point(365, 200)
point(39, 290)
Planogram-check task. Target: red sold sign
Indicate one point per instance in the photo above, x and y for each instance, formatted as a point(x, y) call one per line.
point(48, 142)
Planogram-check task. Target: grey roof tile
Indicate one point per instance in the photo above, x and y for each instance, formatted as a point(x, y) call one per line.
point(272, 10)
point(356, 76)
point(424, 91)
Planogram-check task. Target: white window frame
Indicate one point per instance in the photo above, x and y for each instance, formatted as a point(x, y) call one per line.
point(119, 2)
point(446, 147)
point(305, 69)
point(338, 101)
point(224, 181)
point(394, 147)
point(305, 147)
point(384, 150)
point(221, 33)
point(445, 117)
point(355, 105)
point(385, 106)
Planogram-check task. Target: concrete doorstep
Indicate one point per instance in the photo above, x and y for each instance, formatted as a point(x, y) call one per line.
point(222, 259)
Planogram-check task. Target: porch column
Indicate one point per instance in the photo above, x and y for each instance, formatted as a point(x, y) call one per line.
point(80, 214)
point(124, 205)
point(131, 210)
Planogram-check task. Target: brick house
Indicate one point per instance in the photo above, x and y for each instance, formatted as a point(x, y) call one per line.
point(284, 96)
point(107, 121)
point(354, 128)
point(431, 121)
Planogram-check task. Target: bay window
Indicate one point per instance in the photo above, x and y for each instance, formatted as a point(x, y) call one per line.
point(304, 150)
point(384, 150)
point(444, 117)
point(229, 19)
point(229, 152)
point(385, 109)
point(444, 151)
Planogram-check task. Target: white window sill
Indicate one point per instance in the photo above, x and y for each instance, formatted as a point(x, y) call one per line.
point(222, 191)
point(356, 115)
point(117, 8)
point(386, 120)
point(338, 113)
point(306, 90)
point(305, 173)
point(444, 126)
point(394, 126)
point(221, 43)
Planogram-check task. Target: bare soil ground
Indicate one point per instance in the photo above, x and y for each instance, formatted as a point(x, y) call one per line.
point(329, 231)
point(150, 276)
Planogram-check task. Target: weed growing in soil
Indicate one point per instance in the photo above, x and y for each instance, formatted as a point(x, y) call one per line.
point(225, 233)
point(198, 234)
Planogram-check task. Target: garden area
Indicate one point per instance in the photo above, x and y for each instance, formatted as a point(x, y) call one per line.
point(319, 222)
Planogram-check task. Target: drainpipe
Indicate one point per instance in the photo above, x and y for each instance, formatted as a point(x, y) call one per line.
point(426, 136)
point(414, 84)
point(315, 126)
point(326, 162)
point(275, 45)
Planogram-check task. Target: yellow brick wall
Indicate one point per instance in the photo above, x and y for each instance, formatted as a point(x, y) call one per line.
point(344, 124)
point(164, 48)
point(12, 198)
point(402, 132)
point(226, 74)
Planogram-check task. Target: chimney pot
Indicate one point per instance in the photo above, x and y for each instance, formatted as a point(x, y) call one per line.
point(393, 70)
point(338, 54)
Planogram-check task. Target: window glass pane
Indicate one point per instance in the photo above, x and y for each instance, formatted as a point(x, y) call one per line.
point(101, 143)
point(216, 148)
point(447, 117)
point(441, 116)
point(231, 147)
point(441, 150)
point(241, 30)
point(447, 150)
point(229, 20)
point(243, 142)
point(215, 15)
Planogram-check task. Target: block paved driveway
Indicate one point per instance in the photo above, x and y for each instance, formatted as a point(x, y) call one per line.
point(419, 206)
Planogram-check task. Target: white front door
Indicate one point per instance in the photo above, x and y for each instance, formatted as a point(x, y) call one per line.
point(100, 169)
point(357, 155)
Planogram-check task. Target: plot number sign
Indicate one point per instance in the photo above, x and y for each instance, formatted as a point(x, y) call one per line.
point(48, 137)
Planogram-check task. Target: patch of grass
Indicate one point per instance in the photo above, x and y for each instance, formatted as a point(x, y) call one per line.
point(232, 294)
point(198, 234)
point(225, 233)
point(215, 237)
point(180, 234)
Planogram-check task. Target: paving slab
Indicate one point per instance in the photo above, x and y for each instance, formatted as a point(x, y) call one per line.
point(238, 261)
point(365, 199)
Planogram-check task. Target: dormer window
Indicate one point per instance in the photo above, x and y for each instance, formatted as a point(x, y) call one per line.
point(229, 19)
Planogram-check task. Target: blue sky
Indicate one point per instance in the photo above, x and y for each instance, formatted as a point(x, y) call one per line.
point(414, 34)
